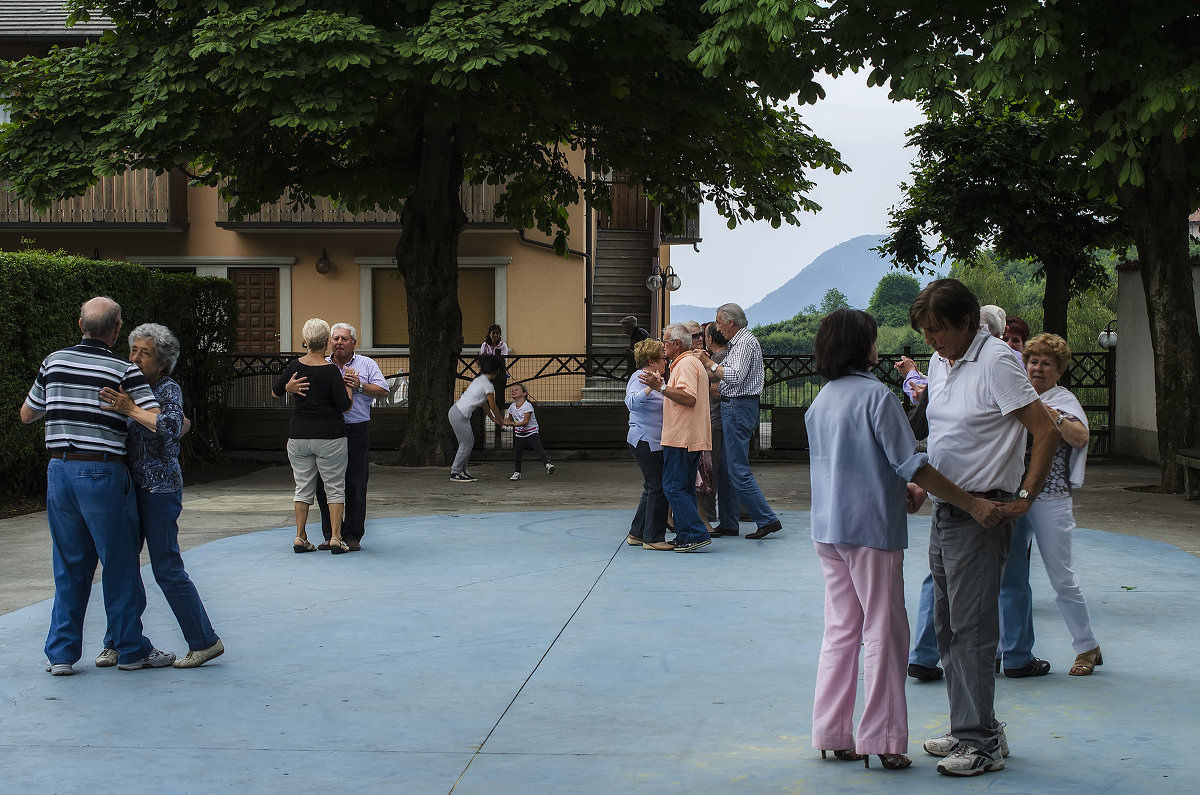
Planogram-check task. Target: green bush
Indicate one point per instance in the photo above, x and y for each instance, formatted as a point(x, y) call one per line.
point(40, 296)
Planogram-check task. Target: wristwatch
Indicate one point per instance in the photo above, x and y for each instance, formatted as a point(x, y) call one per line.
point(359, 390)
point(663, 387)
point(714, 367)
point(1023, 494)
point(1059, 419)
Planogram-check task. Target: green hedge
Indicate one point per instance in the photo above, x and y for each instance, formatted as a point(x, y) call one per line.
point(40, 296)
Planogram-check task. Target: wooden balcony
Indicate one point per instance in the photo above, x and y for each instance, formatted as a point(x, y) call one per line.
point(478, 201)
point(134, 199)
point(632, 210)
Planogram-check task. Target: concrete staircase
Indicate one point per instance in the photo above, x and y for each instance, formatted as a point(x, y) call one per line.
point(623, 260)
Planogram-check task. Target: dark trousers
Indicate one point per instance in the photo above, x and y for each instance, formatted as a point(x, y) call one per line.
point(650, 521)
point(358, 469)
point(533, 441)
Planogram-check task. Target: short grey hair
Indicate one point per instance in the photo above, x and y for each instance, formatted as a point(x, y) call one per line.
point(353, 331)
point(99, 317)
point(315, 334)
point(166, 345)
point(679, 333)
point(733, 313)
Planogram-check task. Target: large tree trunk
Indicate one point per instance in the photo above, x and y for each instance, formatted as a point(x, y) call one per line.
point(427, 256)
point(1056, 298)
point(1157, 212)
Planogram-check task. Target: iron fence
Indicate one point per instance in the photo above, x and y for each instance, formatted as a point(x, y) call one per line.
point(598, 379)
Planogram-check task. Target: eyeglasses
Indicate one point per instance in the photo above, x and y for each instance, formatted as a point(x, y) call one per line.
point(697, 336)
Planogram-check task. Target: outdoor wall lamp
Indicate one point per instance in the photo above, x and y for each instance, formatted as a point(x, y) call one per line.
point(324, 264)
point(1108, 338)
point(663, 277)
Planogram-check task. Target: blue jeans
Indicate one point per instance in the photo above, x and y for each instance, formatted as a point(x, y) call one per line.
point(93, 517)
point(679, 484)
point(1016, 600)
point(650, 521)
point(735, 481)
point(158, 515)
point(925, 650)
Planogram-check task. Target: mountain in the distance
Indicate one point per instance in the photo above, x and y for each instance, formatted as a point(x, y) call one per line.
point(851, 267)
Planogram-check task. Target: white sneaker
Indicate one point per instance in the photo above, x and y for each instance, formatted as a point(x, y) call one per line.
point(59, 669)
point(945, 745)
point(515, 476)
point(155, 659)
point(967, 760)
point(549, 469)
point(106, 658)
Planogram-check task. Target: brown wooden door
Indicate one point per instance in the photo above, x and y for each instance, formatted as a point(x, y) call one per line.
point(258, 309)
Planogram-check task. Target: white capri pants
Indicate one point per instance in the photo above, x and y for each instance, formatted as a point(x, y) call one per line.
point(1053, 520)
point(323, 457)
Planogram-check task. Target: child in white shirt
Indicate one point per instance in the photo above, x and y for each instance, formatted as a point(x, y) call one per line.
point(525, 429)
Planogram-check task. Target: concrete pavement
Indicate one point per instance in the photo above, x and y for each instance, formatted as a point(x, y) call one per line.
point(499, 637)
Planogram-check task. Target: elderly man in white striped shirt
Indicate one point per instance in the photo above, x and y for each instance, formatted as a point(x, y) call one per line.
point(741, 382)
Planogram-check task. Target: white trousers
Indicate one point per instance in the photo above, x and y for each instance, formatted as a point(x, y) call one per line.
point(1053, 521)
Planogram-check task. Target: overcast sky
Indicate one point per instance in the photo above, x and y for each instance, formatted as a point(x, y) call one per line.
point(744, 264)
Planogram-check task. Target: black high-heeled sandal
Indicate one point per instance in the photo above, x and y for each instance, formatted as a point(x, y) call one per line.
point(337, 546)
point(889, 761)
point(845, 754)
point(304, 546)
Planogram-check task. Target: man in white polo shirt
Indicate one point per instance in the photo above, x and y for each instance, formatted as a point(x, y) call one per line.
point(980, 406)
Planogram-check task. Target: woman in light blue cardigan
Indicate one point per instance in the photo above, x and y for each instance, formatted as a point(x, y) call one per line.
point(866, 474)
point(649, 527)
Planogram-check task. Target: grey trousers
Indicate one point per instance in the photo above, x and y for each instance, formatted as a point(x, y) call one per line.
point(466, 440)
point(967, 562)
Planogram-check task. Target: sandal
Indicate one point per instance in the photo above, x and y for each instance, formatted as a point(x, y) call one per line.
point(337, 546)
point(890, 761)
point(302, 545)
point(1086, 662)
point(845, 754)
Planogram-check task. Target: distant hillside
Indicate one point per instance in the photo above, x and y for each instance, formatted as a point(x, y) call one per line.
point(850, 267)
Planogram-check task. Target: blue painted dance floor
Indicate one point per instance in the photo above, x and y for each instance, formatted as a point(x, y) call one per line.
point(536, 653)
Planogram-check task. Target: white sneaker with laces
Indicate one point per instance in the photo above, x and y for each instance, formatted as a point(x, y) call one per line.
point(967, 760)
point(945, 745)
point(515, 476)
point(59, 669)
point(106, 658)
point(197, 657)
point(549, 469)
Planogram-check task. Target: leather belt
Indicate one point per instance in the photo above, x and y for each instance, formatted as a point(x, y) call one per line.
point(994, 494)
point(72, 455)
point(725, 399)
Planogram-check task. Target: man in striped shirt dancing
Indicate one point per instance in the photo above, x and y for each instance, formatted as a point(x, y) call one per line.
point(90, 502)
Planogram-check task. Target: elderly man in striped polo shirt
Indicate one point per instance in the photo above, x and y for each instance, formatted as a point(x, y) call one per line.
point(742, 377)
point(90, 502)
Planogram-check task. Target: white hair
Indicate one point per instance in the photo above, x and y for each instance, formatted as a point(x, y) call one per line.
point(993, 317)
point(679, 333)
point(353, 331)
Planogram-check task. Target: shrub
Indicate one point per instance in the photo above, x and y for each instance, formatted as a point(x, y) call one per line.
point(40, 296)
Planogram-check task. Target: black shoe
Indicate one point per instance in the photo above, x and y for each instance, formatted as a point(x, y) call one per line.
point(924, 673)
point(692, 546)
point(717, 532)
point(766, 530)
point(1036, 667)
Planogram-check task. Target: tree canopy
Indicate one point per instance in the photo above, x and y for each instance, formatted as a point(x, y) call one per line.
point(1126, 76)
point(892, 297)
point(387, 104)
point(977, 182)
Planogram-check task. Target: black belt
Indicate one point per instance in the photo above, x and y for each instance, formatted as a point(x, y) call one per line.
point(725, 399)
point(994, 494)
point(72, 455)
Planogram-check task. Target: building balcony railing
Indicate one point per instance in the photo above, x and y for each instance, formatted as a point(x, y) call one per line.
point(138, 198)
point(631, 209)
point(478, 203)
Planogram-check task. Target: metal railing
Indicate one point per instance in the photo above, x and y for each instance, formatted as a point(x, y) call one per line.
point(580, 379)
point(138, 197)
point(631, 209)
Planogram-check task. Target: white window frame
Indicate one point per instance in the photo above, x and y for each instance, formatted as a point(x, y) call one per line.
point(366, 311)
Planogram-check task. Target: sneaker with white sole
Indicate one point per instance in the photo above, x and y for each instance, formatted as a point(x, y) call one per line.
point(945, 745)
point(59, 669)
point(462, 477)
point(549, 469)
point(692, 546)
point(155, 659)
point(107, 658)
point(967, 760)
point(197, 657)
point(515, 476)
